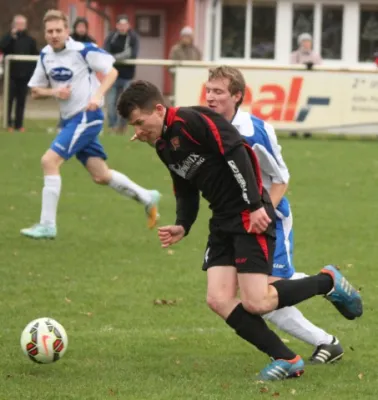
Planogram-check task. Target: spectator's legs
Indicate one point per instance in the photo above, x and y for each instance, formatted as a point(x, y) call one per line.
point(112, 105)
point(123, 85)
point(11, 97)
point(21, 93)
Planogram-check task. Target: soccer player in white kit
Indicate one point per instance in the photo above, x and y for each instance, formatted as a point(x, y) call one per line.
point(67, 70)
point(224, 93)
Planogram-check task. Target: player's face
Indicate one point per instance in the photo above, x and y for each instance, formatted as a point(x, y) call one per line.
point(148, 125)
point(56, 34)
point(220, 99)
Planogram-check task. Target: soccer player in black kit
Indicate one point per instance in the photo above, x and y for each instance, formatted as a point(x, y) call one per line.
point(205, 153)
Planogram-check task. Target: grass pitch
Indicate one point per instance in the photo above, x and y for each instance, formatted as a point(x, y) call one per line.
point(102, 276)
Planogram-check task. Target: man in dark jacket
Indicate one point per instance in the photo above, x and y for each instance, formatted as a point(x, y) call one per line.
point(123, 44)
point(18, 41)
point(80, 31)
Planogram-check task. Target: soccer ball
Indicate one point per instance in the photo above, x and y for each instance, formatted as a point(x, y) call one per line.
point(44, 340)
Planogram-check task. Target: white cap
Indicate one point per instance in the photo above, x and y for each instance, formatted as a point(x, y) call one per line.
point(304, 36)
point(186, 31)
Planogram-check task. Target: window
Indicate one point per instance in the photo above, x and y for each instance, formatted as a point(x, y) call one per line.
point(233, 28)
point(263, 29)
point(368, 32)
point(303, 22)
point(332, 30)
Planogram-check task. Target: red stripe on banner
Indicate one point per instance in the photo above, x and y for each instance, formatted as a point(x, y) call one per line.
point(256, 167)
point(214, 130)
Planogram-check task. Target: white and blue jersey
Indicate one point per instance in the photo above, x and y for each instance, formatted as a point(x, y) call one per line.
point(75, 66)
point(263, 140)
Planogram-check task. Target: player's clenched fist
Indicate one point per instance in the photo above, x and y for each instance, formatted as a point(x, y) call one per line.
point(170, 234)
point(258, 221)
point(63, 93)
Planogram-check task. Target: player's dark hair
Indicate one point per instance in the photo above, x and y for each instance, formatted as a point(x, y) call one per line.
point(140, 94)
point(236, 78)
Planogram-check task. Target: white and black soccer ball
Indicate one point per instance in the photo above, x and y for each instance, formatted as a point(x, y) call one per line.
point(44, 340)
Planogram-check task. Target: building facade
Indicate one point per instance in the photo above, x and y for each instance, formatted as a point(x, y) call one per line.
point(345, 32)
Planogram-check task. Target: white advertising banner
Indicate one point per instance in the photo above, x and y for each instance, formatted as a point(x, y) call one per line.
point(304, 101)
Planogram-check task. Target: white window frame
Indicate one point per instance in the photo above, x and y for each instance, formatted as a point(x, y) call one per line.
point(362, 3)
point(247, 36)
point(283, 37)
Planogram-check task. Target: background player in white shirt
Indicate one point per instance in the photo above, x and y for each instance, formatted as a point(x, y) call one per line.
point(66, 70)
point(224, 94)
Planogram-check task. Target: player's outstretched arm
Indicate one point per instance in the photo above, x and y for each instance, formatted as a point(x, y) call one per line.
point(170, 234)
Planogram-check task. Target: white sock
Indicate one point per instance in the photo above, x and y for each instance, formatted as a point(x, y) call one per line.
point(123, 185)
point(293, 322)
point(50, 199)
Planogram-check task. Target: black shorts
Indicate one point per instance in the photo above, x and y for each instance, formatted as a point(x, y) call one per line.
point(229, 243)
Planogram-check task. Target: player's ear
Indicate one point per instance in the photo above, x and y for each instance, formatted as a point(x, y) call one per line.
point(160, 109)
point(238, 97)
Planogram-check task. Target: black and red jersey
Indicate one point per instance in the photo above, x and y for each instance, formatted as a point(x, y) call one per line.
point(205, 153)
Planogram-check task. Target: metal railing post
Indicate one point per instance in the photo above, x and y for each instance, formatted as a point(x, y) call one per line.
point(6, 90)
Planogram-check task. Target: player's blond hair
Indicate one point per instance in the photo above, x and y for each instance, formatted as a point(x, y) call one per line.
point(55, 15)
point(235, 77)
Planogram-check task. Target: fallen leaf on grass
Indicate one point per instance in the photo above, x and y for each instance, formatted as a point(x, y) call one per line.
point(360, 376)
point(112, 392)
point(68, 300)
point(170, 252)
point(163, 302)
point(178, 362)
point(264, 389)
point(352, 348)
point(285, 340)
point(349, 265)
point(293, 391)
point(275, 394)
point(88, 314)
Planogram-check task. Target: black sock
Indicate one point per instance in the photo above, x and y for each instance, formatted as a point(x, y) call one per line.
point(292, 292)
point(254, 330)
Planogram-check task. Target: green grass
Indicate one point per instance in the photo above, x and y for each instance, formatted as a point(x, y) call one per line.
point(101, 276)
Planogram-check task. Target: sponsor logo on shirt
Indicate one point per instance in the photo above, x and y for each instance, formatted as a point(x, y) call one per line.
point(188, 167)
point(61, 74)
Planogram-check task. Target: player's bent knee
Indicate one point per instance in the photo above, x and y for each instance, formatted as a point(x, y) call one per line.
point(100, 179)
point(254, 306)
point(218, 304)
point(51, 162)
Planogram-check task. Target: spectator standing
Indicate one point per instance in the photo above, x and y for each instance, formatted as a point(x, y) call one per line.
point(123, 44)
point(305, 54)
point(185, 48)
point(80, 31)
point(18, 41)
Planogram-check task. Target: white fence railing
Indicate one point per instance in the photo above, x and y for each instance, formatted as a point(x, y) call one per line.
point(325, 99)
